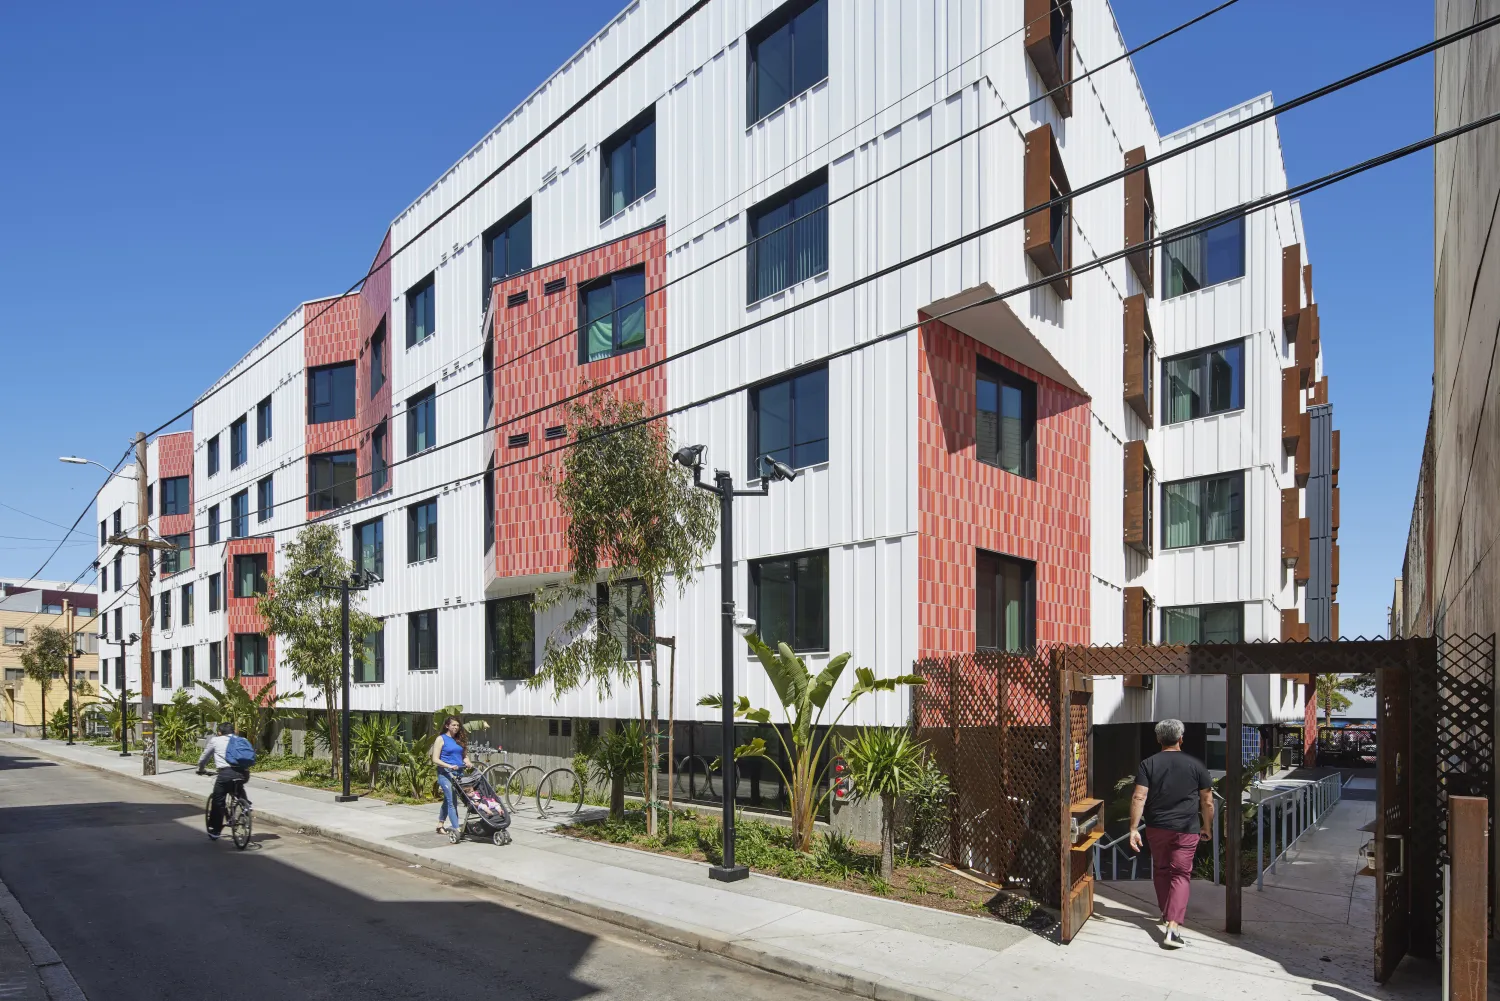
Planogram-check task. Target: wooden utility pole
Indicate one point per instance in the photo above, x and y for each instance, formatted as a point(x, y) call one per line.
point(72, 705)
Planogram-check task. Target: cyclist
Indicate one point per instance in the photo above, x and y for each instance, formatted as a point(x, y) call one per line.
point(230, 779)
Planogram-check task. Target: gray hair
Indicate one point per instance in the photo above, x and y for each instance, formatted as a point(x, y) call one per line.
point(1169, 732)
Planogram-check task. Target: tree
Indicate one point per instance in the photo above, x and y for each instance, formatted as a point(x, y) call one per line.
point(253, 716)
point(613, 754)
point(1331, 696)
point(302, 607)
point(885, 763)
point(372, 741)
point(175, 724)
point(44, 659)
point(636, 520)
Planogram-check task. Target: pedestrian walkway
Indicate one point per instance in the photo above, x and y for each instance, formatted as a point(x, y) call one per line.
point(862, 944)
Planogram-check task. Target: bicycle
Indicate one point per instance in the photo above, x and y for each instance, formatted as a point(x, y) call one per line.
point(238, 816)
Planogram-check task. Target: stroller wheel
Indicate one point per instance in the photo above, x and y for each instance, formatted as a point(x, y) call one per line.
point(501, 838)
point(455, 834)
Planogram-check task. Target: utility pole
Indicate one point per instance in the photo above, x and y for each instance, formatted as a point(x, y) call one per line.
point(68, 616)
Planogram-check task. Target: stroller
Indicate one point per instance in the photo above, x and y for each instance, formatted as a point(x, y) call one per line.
point(487, 816)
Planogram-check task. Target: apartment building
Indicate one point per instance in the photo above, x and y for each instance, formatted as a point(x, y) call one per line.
point(26, 606)
point(735, 213)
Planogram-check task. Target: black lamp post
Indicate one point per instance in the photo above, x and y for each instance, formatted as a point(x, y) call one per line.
point(120, 684)
point(360, 580)
point(723, 488)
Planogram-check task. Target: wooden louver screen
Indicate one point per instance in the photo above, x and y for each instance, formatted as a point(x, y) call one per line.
point(1138, 358)
point(1291, 288)
point(1291, 528)
point(1291, 406)
point(1307, 344)
point(1302, 467)
point(1140, 215)
point(1042, 173)
point(1303, 573)
point(1137, 622)
point(1049, 46)
point(1138, 487)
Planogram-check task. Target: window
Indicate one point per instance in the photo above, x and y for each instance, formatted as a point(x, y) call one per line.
point(507, 247)
point(421, 309)
point(369, 547)
point(1203, 624)
point(119, 624)
point(263, 421)
point(251, 655)
point(86, 613)
point(119, 565)
point(789, 600)
point(215, 662)
point(174, 495)
point(627, 165)
point(613, 315)
point(187, 604)
point(213, 525)
point(265, 500)
point(369, 658)
point(421, 641)
point(249, 575)
point(1049, 29)
point(629, 616)
point(51, 609)
point(489, 380)
point(377, 359)
point(509, 639)
point(150, 500)
point(1049, 232)
point(103, 532)
point(15, 674)
point(215, 589)
point(104, 579)
point(187, 667)
point(787, 54)
point(1005, 419)
point(331, 480)
point(1204, 511)
point(421, 421)
point(164, 620)
point(15, 637)
point(421, 531)
point(1140, 486)
point(179, 559)
point(788, 239)
point(166, 669)
point(489, 507)
point(1211, 381)
point(239, 515)
point(330, 393)
point(1140, 359)
point(1140, 220)
point(1004, 602)
point(237, 445)
point(117, 521)
point(213, 455)
point(379, 462)
point(789, 421)
point(104, 628)
point(1197, 258)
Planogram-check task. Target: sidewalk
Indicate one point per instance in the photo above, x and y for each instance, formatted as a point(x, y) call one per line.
point(865, 945)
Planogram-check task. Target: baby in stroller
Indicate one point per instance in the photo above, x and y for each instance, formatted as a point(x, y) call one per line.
point(488, 816)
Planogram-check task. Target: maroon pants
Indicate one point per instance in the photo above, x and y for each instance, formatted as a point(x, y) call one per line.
point(1172, 870)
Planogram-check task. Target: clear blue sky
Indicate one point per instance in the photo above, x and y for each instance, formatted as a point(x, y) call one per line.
point(178, 176)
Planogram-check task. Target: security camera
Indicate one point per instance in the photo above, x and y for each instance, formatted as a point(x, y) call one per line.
point(690, 456)
point(780, 470)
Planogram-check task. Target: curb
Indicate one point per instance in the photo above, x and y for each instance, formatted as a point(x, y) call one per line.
point(768, 959)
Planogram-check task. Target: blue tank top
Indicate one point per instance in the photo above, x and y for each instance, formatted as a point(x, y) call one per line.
point(452, 752)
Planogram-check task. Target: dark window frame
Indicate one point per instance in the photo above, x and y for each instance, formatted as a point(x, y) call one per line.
point(263, 428)
point(421, 304)
point(211, 459)
point(787, 236)
point(799, 83)
point(991, 565)
point(377, 358)
point(618, 313)
point(258, 648)
point(504, 230)
point(330, 496)
point(1236, 515)
point(420, 406)
point(377, 562)
point(798, 460)
point(176, 494)
point(180, 559)
point(380, 461)
point(342, 380)
point(1170, 242)
point(512, 663)
point(215, 526)
point(215, 661)
point(1003, 378)
point(414, 640)
point(757, 568)
point(215, 593)
point(628, 139)
point(1206, 354)
point(429, 531)
point(1239, 606)
point(257, 574)
point(265, 498)
point(362, 672)
point(185, 598)
point(239, 445)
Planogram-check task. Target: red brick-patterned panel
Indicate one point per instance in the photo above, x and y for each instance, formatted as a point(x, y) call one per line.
point(330, 337)
point(967, 505)
point(374, 306)
point(174, 457)
point(537, 362)
point(241, 614)
point(1310, 727)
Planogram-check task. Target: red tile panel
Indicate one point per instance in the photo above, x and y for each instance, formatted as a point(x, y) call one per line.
point(331, 336)
point(374, 306)
point(241, 614)
point(967, 505)
point(174, 457)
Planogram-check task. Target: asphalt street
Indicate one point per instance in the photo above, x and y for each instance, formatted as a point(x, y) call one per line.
point(123, 882)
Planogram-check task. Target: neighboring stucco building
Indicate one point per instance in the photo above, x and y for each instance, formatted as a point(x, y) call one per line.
point(23, 609)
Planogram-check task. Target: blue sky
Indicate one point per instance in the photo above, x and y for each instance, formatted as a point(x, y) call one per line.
point(178, 176)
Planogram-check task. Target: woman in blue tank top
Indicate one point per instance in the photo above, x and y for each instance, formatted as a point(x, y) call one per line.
point(450, 752)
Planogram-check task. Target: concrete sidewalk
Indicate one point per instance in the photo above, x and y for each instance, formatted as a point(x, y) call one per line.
point(852, 942)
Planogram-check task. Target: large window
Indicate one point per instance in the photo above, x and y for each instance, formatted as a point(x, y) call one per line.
point(377, 359)
point(379, 460)
point(239, 515)
point(613, 315)
point(238, 445)
point(1203, 511)
point(330, 393)
point(251, 655)
point(421, 531)
point(509, 639)
point(422, 641)
point(213, 525)
point(789, 600)
point(788, 239)
point(421, 421)
point(627, 167)
point(369, 547)
point(265, 499)
point(263, 421)
point(249, 575)
point(1005, 419)
point(1203, 624)
point(1004, 602)
point(181, 558)
point(174, 495)
point(788, 53)
point(789, 421)
point(369, 658)
point(1211, 381)
point(213, 455)
point(507, 248)
point(1199, 257)
point(187, 604)
point(421, 311)
point(629, 615)
point(330, 480)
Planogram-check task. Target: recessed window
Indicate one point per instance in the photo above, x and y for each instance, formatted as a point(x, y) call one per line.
point(488, 397)
point(1203, 624)
point(263, 421)
point(213, 455)
point(789, 600)
point(379, 460)
point(215, 592)
point(265, 499)
point(1004, 602)
point(422, 641)
point(1005, 419)
point(421, 421)
point(628, 165)
point(787, 54)
point(181, 558)
point(489, 507)
point(1049, 229)
point(175, 498)
point(789, 421)
point(188, 666)
point(377, 359)
point(166, 668)
point(369, 547)
point(116, 517)
point(421, 531)
point(421, 311)
point(1211, 381)
point(629, 615)
point(15, 636)
point(249, 575)
point(215, 662)
point(104, 579)
point(1049, 30)
point(251, 655)
point(1203, 511)
point(119, 623)
point(164, 615)
point(369, 658)
point(507, 247)
point(330, 393)
point(613, 315)
point(509, 639)
point(1202, 256)
point(213, 525)
point(119, 564)
point(331, 479)
point(238, 444)
point(187, 604)
point(788, 238)
point(103, 532)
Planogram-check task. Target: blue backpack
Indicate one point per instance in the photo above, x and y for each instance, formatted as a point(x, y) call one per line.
point(239, 753)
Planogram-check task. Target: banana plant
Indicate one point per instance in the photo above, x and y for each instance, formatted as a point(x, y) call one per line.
point(803, 700)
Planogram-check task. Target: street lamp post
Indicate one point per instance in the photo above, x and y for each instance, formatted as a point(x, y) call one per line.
point(723, 488)
point(120, 684)
point(359, 581)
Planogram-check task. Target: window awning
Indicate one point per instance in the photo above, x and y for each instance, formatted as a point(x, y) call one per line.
point(997, 325)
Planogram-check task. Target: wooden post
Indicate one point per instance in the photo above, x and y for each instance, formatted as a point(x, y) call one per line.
point(1468, 888)
point(1234, 716)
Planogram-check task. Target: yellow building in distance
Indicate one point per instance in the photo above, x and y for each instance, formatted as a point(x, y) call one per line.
point(23, 610)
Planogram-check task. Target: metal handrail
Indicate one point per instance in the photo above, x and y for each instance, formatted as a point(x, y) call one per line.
point(1114, 849)
point(1294, 812)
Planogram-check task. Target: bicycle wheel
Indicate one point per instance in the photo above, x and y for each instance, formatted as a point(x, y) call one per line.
point(240, 826)
point(515, 786)
point(208, 811)
point(560, 783)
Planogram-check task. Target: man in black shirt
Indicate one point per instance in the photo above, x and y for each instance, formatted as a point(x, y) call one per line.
point(1172, 791)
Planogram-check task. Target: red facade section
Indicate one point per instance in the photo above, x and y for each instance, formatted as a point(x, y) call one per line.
point(966, 505)
point(537, 362)
point(241, 614)
point(374, 409)
point(330, 337)
point(174, 457)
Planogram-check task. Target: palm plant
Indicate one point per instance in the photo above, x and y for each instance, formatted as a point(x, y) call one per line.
point(118, 708)
point(175, 724)
point(254, 716)
point(415, 771)
point(372, 741)
point(803, 699)
point(886, 763)
point(615, 755)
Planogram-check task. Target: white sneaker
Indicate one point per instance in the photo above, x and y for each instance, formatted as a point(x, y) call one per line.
point(1174, 940)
